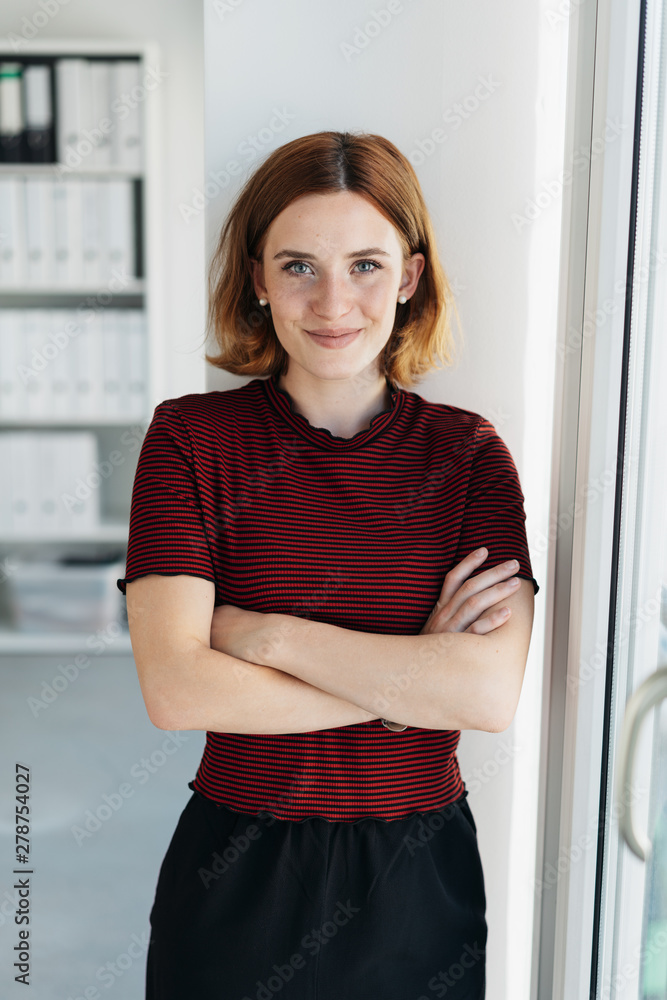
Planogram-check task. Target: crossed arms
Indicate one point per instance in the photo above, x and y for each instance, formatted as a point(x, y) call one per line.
point(226, 669)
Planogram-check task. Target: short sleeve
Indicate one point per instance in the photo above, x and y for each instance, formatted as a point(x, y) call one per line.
point(167, 532)
point(494, 515)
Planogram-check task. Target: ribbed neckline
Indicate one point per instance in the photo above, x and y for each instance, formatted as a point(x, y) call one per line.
point(321, 436)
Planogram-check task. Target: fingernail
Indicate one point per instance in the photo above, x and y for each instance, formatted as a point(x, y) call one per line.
point(481, 552)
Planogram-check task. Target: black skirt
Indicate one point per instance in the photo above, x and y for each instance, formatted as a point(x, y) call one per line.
point(255, 908)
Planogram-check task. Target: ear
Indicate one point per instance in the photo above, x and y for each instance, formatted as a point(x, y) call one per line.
point(412, 270)
point(258, 278)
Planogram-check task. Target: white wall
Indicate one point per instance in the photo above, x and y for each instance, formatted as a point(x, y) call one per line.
point(404, 82)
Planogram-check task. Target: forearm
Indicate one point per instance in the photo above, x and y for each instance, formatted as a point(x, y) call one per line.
point(435, 681)
point(223, 694)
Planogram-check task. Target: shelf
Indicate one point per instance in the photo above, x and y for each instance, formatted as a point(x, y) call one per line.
point(104, 533)
point(62, 169)
point(119, 290)
point(136, 286)
point(109, 47)
point(81, 420)
point(58, 643)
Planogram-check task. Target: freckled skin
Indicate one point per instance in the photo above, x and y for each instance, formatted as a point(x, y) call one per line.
point(330, 290)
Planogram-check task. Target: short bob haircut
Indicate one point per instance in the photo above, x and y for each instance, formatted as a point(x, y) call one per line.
point(422, 337)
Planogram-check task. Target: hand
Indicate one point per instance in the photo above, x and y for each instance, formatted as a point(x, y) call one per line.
point(462, 601)
point(247, 635)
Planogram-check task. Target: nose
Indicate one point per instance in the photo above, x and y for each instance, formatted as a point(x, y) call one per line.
point(331, 297)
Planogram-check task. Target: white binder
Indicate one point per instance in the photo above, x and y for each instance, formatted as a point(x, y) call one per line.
point(113, 363)
point(101, 119)
point(39, 224)
point(23, 476)
point(62, 366)
point(135, 352)
point(79, 483)
point(89, 367)
point(46, 499)
point(12, 231)
point(128, 134)
point(120, 226)
point(72, 186)
point(61, 242)
point(38, 384)
point(92, 217)
point(12, 390)
point(73, 111)
point(6, 494)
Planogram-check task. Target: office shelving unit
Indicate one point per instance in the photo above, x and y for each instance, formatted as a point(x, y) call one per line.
point(145, 293)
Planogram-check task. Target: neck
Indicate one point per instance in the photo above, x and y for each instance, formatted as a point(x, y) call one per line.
point(342, 406)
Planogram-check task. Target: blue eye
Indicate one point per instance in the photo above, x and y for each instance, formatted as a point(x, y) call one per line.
point(375, 266)
point(300, 263)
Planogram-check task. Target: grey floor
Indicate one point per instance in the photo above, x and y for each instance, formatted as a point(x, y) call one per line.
point(90, 899)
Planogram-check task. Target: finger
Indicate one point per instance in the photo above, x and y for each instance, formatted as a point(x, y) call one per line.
point(471, 608)
point(484, 582)
point(459, 573)
point(493, 621)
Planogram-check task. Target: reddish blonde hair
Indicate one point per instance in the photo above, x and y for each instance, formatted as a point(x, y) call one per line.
point(422, 337)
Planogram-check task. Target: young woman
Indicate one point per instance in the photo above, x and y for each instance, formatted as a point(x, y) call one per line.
point(305, 582)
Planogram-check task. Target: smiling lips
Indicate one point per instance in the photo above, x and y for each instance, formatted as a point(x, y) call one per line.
point(333, 338)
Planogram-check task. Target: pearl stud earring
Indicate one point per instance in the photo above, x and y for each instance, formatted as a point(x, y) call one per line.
point(402, 299)
point(263, 302)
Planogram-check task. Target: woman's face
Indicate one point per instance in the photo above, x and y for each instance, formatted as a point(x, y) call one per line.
point(332, 271)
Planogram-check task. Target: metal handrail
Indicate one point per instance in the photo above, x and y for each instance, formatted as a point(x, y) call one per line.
point(649, 694)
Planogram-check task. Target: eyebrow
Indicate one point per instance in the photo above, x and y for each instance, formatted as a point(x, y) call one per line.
point(311, 256)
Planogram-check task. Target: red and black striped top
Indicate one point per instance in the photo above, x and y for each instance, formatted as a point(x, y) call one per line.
point(282, 516)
